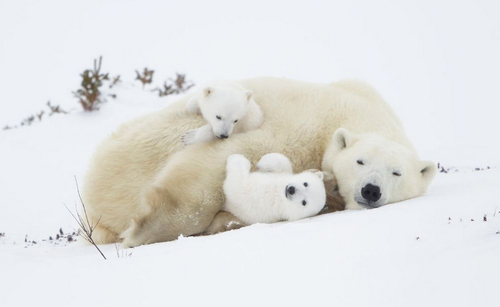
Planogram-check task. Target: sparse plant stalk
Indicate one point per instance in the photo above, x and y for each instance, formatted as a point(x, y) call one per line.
point(86, 227)
point(120, 252)
point(114, 81)
point(32, 118)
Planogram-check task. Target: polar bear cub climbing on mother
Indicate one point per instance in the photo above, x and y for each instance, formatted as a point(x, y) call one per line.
point(272, 195)
point(227, 107)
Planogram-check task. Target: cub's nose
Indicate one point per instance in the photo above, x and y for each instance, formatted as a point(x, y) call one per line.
point(224, 136)
point(371, 192)
point(291, 190)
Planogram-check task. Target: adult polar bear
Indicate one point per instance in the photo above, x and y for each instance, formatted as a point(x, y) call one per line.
point(144, 186)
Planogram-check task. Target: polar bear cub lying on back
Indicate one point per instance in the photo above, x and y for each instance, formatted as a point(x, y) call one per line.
point(273, 193)
point(227, 107)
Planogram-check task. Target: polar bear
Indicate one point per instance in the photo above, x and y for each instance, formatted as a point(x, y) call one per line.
point(226, 107)
point(372, 171)
point(268, 197)
point(145, 186)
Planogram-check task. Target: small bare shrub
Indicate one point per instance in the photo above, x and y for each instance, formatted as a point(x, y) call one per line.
point(28, 120)
point(29, 242)
point(55, 109)
point(38, 116)
point(182, 84)
point(146, 77)
point(168, 89)
point(115, 81)
point(174, 86)
point(89, 94)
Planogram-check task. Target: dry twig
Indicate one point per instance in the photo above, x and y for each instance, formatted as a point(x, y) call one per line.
point(86, 227)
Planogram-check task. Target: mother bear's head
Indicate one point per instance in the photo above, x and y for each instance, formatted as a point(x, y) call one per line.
point(372, 171)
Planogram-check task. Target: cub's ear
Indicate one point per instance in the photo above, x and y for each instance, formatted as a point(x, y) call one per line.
point(428, 170)
point(249, 94)
point(342, 138)
point(320, 175)
point(207, 91)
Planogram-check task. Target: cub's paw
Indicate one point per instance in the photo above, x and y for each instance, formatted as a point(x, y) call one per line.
point(238, 162)
point(274, 163)
point(189, 138)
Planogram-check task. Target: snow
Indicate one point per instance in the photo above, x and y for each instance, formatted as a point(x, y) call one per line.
point(436, 63)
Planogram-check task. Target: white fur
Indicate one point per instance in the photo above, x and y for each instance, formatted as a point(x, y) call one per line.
point(144, 174)
point(274, 163)
point(227, 107)
point(262, 197)
point(361, 159)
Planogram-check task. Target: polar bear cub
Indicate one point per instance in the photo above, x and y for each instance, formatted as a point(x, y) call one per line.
point(227, 107)
point(267, 197)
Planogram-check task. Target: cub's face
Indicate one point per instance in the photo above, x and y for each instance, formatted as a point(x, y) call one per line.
point(372, 171)
point(223, 107)
point(305, 195)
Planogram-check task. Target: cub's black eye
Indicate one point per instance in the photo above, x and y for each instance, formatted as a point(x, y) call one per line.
point(304, 203)
point(360, 162)
point(305, 184)
point(396, 174)
point(235, 121)
point(218, 117)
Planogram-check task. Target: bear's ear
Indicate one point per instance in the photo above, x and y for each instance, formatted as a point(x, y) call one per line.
point(342, 138)
point(249, 95)
point(428, 170)
point(207, 91)
point(320, 175)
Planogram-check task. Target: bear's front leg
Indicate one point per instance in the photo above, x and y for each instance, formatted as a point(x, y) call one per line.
point(171, 216)
point(223, 221)
point(183, 199)
point(200, 135)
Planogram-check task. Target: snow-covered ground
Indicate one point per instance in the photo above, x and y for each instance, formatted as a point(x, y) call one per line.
point(436, 63)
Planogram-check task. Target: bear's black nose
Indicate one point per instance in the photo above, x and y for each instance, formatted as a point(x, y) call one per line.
point(224, 136)
point(371, 192)
point(291, 190)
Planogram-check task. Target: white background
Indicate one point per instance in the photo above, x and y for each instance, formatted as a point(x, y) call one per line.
point(435, 62)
